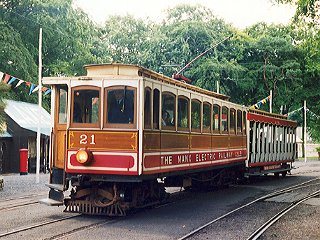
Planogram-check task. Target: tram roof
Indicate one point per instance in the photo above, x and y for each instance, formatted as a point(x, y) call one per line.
point(101, 71)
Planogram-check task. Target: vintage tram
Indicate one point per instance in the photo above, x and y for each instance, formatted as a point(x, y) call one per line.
point(122, 133)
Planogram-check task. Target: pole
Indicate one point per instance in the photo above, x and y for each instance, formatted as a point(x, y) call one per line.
point(39, 107)
point(270, 102)
point(305, 129)
point(218, 86)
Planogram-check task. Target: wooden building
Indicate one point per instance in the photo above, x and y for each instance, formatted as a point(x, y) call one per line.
point(20, 132)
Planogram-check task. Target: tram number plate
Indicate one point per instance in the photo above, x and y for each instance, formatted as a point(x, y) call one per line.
point(272, 167)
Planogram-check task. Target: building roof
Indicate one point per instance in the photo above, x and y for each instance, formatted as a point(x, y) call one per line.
point(5, 135)
point(26, 115)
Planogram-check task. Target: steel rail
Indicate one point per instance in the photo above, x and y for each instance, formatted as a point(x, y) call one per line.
point(36, 226)
point(270, 195)
point(280, 214)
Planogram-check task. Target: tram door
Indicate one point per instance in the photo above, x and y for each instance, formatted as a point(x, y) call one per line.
point(59, 134)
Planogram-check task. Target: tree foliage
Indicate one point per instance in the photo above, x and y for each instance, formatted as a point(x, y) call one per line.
point(284, 59)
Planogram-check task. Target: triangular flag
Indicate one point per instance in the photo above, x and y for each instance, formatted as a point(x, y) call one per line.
point(19, 83)
point(31, 88)
point(1, 75)
point(36, 89)
point(44, 89)
point(47, 92)
point(28, 84)
point(6, 78)
point(12, 80)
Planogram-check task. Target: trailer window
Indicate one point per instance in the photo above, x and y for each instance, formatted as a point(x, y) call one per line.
point(86, 105)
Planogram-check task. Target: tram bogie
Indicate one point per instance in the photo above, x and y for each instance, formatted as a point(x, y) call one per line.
point(121, 128)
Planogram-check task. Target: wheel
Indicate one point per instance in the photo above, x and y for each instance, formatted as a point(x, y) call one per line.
point(283, 174)
point(276, 174)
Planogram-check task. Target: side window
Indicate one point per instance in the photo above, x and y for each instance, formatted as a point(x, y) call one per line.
point(168, 111)
point(147, 108)
point(225, 119)
point(63, 99)
point(120, 105)
point(239, 121)
point(86, 105)
point(232, 121)
point(206, 125)
point(183, 113)
point(195, 115)
point(216, 118)
point(156, 108)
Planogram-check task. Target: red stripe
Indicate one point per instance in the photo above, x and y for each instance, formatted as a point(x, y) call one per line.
point(267, 119)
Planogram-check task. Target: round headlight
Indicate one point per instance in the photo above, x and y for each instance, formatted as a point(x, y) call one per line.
point(83, 156)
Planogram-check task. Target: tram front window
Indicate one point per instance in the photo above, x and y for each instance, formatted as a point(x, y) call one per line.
point(120, 103)
point(86, 106)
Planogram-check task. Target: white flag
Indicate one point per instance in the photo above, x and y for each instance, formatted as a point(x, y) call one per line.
point(1, 75)
point(19, 83)
point(35, 89)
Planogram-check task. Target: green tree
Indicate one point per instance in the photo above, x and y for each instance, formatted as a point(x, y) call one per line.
point(3, 90)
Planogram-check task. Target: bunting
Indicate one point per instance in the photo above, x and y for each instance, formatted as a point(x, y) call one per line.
point(258, 104)
point(10, 80)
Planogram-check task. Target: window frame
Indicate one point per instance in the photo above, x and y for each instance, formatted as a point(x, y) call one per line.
point(239, 124)
point(171, 128)
point(206, 130)
point(184, 129)
point(227, 121)
point(85, 125)
point(132, 125)
point(232, 129)
point(200, 121)
point(147, 90)
point(214, 130)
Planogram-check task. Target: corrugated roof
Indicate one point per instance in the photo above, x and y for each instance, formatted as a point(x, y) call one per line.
point(5, 135)
point(26, 115)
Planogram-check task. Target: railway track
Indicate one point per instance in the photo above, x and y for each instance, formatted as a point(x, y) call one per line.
point(280, 214)
point(23, 201)
point(262, 198)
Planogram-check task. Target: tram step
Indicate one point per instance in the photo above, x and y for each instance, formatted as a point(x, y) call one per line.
point(50, 202)
point(58, 187)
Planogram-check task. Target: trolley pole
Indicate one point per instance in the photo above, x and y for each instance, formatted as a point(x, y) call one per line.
point(305, 129)
point(39, 108)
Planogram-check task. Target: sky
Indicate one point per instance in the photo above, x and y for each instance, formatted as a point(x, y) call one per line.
point(240, 13)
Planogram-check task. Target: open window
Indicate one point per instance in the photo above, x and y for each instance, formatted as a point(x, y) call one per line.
point(216, 118)
point(195, 115)
point(147, 108)
point(206, 123)
point(232, 121)
point(183, 113)
point(168, 111)
point(225, 120)
point(62, 92)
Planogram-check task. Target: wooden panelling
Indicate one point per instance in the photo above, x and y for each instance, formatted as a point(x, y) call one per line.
point(200, 142)
point(60, 149)
point(237, 141)
point(174, 141)
point(220, 141)
point(151, 141)
point(124, 141)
